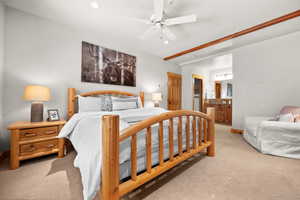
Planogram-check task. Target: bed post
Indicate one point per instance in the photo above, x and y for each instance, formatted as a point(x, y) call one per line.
point(142, 95)
point(110, 158)
point(211, 132)
point(71, 102)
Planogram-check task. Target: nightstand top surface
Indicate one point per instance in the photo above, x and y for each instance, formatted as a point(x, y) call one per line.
point(24, 124)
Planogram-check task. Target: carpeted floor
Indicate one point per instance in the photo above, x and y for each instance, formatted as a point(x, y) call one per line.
point(238, 172)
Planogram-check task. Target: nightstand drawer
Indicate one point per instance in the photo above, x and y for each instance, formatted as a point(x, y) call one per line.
point(33, 148)
point(30, 134)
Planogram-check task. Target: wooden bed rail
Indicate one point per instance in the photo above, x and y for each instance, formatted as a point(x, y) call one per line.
point(111, 188)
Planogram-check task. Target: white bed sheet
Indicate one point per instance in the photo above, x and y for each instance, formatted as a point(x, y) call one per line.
point(84, 131)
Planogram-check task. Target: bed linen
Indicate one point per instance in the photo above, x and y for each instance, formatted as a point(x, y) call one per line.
point(84, 131)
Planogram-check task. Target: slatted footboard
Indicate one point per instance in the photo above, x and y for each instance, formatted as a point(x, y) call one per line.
point(203, 138)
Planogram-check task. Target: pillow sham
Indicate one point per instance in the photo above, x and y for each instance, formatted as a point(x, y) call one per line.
point(123, 106)
point(289, 117)
point(295, 110)
point(124, 103)
point(140, 105)
point(106, 103)
point(89, 104)
point(297, 118)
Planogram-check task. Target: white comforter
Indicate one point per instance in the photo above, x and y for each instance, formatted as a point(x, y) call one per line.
point(84, 131)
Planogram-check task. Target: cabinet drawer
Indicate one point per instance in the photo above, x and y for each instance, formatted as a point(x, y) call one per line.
point(30, 134)
point(38, 147)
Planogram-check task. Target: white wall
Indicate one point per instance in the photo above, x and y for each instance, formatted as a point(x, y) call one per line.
point(42, 52)
point(266, 77)
point(1, 67)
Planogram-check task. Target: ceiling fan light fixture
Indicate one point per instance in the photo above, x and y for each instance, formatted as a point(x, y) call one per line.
point(170, 2)
point(160, 22)
point(94, 4)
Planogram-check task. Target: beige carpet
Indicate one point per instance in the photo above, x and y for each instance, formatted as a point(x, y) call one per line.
point(238, 172)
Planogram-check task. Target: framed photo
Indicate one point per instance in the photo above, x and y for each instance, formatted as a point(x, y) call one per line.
point(53, 115)
point(107, 66)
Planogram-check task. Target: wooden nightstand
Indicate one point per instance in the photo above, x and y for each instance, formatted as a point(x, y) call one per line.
point(29, 140)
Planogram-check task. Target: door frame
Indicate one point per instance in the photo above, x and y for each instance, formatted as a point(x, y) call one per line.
point(196, 76)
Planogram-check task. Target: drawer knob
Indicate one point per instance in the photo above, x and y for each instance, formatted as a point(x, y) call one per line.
point(31, 149)
point(50, 145)
point(50, 132)
point(30, 134)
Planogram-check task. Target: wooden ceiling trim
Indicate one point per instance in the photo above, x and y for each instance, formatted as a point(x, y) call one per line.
point(238, 34)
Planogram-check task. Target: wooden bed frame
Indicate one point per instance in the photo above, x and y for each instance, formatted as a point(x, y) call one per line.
point(111, 188)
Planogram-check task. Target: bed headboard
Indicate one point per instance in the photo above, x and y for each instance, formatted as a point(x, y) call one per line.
point(72, 97)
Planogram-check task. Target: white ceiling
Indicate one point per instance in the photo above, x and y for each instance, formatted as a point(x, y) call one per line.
point(216, 18)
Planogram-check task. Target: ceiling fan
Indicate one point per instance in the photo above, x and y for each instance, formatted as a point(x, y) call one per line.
point(160, 22)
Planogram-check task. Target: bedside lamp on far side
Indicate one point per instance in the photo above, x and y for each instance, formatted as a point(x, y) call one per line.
point(37, 95)
point(156, 97)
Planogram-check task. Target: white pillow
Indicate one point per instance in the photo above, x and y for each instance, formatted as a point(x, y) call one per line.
point(119, 103)
point(89, 104)
point(289, 117)
point(124, 105)
point(136, 98)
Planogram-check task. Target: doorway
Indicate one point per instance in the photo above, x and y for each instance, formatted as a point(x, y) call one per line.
point(198, 94)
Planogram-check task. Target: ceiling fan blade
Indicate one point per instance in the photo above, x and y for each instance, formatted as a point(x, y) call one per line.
point(144, 21)
point(181, 20)
point(168, 33)
point(158, 9)
point(149, 32)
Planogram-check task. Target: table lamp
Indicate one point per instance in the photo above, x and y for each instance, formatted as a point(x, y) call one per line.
point(37, 95)
point(156, 97)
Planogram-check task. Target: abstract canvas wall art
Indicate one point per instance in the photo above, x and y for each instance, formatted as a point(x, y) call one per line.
point(107, 66)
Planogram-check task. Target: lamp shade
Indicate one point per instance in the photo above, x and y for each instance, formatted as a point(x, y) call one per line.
point(36, 93)
point(156, 97)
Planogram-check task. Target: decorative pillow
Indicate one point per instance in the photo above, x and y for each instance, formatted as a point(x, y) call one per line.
point(89, 104)
point(119, 103)
point(290, 109)
point(286, 118)
point(106, 103)
point(138, 98)
point(276, 118)
point(297, 118)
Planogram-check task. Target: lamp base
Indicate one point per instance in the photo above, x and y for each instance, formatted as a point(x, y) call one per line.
point(37, 112)
point(156, 104)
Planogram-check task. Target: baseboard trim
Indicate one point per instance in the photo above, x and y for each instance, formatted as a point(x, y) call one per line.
point(236, 131)
point(4, 155)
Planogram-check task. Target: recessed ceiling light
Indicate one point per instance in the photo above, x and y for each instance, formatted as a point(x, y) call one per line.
point(94, 4)
point(166, 42)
